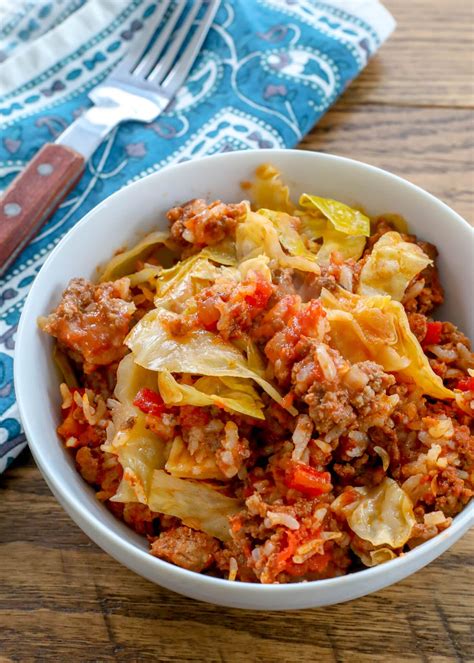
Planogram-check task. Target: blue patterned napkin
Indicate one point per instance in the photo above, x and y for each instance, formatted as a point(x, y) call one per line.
point(268, 70)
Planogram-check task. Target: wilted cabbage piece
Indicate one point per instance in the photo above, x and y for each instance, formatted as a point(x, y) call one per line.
point(348, 246)
point(223, 253)
point(312, 226)
point(199, 353)
point(254, 358)
point(231, 394)
point(345, 219)
point(175, 286)
point(391, 266)
point(377, 328)
point(248, 269)
point(198, 505)
point(139, 451)
point(379, 556)
point(257, 235)
point(383, 515)
point(288, 232)
point(267, 190)
point(123, 264)
point(148, 273)
point(130, 379)
point(182, 464)
point(408, 346)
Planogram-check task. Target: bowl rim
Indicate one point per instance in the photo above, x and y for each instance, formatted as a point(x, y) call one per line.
point(76, 509)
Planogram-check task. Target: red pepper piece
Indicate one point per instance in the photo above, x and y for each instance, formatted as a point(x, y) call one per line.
point(465, 384)
point(308, 480)
point(433, 333)
point(149, 402)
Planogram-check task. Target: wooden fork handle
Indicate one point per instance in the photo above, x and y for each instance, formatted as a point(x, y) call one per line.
point(33, 196)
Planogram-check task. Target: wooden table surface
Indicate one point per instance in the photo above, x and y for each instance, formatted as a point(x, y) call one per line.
point(63, 599)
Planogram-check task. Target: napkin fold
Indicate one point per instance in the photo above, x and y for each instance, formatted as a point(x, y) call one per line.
point(267, 72)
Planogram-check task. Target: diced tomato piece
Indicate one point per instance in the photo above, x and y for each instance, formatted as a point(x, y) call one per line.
point(307, 319)
point(433, 333)
point(208, 313)
point(262, 293)
point(71, 427)
point(149, 402)
point(286, 552)
point(465, 384)
point(308, 480)
point(191, 415)
point(74, 425)
point(287, 401)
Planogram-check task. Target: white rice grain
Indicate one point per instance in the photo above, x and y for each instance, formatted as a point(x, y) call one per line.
point(414, 290)
point(443, 428)
point(66, 395)
point(444, 353)
point(301, 436)
point(233, 568)
point(277, 518)
point(345, 278)
point(326, 362)
point(384, 456)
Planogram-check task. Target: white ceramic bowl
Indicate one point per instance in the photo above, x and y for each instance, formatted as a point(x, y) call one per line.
point(120, 220)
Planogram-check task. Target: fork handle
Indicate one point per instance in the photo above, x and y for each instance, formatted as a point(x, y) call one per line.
point(34, 195)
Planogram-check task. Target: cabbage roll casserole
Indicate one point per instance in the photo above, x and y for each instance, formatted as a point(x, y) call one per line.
point(261, 390)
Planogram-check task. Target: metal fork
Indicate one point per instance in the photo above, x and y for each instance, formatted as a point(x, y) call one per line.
point(139, 88)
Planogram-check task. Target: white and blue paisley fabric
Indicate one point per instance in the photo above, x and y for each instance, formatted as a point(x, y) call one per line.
point(268, 70)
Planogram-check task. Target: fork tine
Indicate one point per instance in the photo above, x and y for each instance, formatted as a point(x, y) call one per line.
point(148, 61)
point(166, 62)
point(178, 74)
point(133, 55)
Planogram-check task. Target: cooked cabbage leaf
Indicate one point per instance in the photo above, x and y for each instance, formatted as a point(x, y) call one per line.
point(254, 358)
point(139, 451)
point(247, 269)
point(123, 264)
point(391, 266)
point(223, 253)
point(377, 328)
point(268, 190)
point(383, 515)
point(175, 286)
point(257, 235)
point(348, 246)
point(130, 379)
point(345, 219)
point(330, 240)
point(288, 232)
point(312, 226)
point(231, 394)
point(199, 353)
point(181, 464)
point(198, 505)
point(148, 273)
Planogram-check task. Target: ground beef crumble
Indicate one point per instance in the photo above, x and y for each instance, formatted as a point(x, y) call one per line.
point(185, 547)
point(199, 223)
point(91, 321)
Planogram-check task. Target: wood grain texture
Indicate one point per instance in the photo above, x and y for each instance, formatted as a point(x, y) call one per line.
point(61, 598)
point(427, 61)
point(33, 196)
